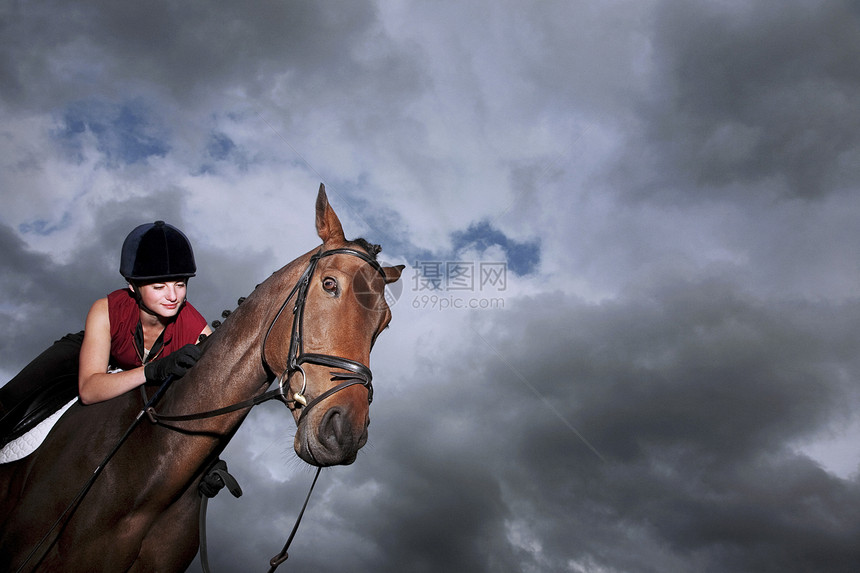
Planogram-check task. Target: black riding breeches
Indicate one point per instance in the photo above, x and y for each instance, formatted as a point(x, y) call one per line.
point(47, 383)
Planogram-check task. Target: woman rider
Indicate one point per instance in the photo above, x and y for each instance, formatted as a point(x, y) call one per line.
point(147, 330)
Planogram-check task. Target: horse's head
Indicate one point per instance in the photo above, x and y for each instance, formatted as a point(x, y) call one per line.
point(339, 309)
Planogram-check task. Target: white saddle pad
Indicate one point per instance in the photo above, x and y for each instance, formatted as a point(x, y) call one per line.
point(25, 445)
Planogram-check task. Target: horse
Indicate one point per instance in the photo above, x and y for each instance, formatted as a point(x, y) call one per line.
point(308, 329)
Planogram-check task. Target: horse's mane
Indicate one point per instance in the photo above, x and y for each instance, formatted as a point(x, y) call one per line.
point(371, 248)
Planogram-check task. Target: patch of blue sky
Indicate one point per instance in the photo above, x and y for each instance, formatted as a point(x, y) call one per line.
point(125, 133)
point(220, 146)
point(387, 227)
point(45, 227)
point(221, 149)
point(522, 257)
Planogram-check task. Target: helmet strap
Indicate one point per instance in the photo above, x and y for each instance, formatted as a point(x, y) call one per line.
point(135, 289)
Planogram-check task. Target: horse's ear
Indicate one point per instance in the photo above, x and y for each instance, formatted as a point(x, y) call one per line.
point(393, 273)
point(329, 228)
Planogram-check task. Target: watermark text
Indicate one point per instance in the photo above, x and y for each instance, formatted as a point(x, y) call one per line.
point(444, 285)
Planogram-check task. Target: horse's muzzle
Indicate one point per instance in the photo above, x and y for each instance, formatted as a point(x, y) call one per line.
point(329, 436)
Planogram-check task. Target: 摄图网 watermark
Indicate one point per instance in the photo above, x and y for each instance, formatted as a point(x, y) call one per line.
point(444, 285)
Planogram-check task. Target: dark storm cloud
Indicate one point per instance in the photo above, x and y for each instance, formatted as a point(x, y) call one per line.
point(42, 300)
point(692, 393)
point(186, 51)
point(749, 100)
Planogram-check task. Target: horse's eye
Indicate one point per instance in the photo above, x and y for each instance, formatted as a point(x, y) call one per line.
point(329, 285)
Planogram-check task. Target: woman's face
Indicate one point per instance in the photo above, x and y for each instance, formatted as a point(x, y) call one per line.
point(164, 299)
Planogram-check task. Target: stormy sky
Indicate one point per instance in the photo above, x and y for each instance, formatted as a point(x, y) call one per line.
point(626, 338)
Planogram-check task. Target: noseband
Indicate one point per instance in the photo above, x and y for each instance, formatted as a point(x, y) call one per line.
point(357, 373)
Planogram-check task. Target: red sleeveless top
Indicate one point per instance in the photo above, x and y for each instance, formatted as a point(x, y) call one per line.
point(124, 315)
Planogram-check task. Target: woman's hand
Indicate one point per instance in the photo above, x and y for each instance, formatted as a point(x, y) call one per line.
point(175, 364)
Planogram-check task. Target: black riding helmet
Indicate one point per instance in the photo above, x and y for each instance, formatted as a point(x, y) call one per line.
point(156, 252)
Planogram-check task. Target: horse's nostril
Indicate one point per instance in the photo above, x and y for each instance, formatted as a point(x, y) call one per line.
point(333, 430)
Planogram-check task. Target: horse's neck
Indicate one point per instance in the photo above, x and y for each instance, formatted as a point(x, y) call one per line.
point(232, 368)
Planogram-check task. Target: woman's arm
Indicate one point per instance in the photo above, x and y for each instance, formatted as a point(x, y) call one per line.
point(94, 383)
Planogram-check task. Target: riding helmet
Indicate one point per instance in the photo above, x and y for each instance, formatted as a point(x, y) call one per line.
point(156, 252)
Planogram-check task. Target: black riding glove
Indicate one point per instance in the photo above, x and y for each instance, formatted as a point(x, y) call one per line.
point(175, 364)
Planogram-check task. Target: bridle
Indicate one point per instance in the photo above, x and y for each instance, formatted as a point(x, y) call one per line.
point(357, 373)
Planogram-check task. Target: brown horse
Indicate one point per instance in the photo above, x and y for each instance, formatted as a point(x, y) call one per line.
point(309, 327)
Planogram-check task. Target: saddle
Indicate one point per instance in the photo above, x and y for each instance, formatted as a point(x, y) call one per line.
point(37, 407)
